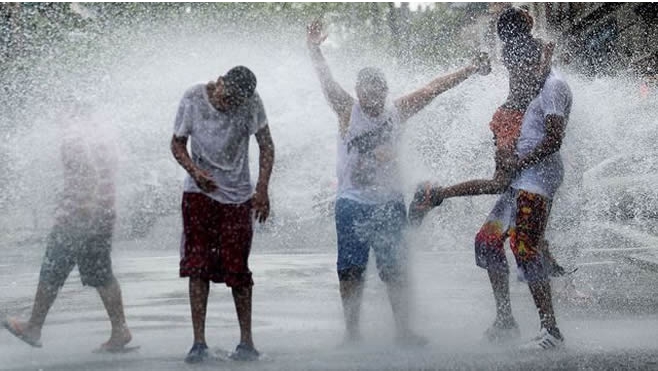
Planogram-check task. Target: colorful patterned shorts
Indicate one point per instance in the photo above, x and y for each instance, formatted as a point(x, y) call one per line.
point(521, 216)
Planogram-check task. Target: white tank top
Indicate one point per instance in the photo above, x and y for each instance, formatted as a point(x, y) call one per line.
point(367, 163)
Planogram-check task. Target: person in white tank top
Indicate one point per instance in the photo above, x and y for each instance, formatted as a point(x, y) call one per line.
point(370, 209)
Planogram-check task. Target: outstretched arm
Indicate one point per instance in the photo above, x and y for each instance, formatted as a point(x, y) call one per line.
point(477, 187)
point(502, 178)
point(412, 103)
point(339, 100)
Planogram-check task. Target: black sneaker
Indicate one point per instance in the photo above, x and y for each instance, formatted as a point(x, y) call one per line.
point(244, 352)
point(425, 199)
point(198, 353)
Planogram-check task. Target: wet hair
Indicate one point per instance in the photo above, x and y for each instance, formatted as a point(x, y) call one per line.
point(371, 78)
point(514, 23)
point(240, 81)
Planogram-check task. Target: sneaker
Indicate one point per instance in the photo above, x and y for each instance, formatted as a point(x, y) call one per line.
point(424, 200)
point(544, 341)
point(198, 353)
point(244, 352)
point(499, 332)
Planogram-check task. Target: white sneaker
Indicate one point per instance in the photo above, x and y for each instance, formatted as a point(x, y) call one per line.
point(543, 341)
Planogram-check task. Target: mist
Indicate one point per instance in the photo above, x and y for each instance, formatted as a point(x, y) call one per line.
point(134, 82)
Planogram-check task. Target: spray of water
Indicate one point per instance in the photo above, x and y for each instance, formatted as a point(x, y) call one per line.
point(136, 92)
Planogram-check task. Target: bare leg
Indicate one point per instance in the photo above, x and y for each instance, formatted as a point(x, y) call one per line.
point(111, 296)
point(398, 293)
point(399, 296)
point(242, 296)
point(500, 285)
point(351, 293)
point(43, 301)
point(199, 289)
point(541, 293)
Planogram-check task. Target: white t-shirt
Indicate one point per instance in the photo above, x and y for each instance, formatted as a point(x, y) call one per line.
point(367, 164)
point(545, 177)
point(220, 142)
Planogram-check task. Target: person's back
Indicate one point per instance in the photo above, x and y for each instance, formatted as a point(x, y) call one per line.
point(89, 161)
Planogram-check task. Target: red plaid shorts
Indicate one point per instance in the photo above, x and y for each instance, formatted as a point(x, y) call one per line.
point(216, 240)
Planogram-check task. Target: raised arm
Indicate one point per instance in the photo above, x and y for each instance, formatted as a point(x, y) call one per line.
point(339, 100)
point(412, 103)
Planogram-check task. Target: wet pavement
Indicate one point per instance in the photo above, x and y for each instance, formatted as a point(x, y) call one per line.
point(298, 318)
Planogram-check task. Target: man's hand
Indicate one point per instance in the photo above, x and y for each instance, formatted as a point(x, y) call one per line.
point(204, 180)
point(482, 64)
point(315, 34)
point(261, 204)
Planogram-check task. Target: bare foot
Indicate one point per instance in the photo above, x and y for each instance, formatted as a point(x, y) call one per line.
point(23, 331)
point(118, 339)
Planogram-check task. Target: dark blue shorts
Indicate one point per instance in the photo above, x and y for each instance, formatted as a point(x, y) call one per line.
point(70, 246)
point(361, 226)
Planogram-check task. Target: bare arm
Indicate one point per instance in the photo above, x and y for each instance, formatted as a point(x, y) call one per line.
point(478, 187)
point(202, 178)
point(261, 200)
point(339, 100)
point(500, 181)
point(179, 150)
point(412, 103)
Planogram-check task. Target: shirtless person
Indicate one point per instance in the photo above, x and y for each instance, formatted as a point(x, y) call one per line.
point(82, 233)
point(522, 210)
point(514, 28)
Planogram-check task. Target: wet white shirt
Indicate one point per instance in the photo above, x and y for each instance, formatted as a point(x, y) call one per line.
point(367, 165)
point(220, 142)
point(545, 177)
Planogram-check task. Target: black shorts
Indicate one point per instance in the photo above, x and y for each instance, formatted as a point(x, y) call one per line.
point(89, 249)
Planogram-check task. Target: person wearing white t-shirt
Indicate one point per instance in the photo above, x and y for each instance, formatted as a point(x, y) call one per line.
point(219, 201)
point(370, 209)
point(522, 211)
point(540, 175)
